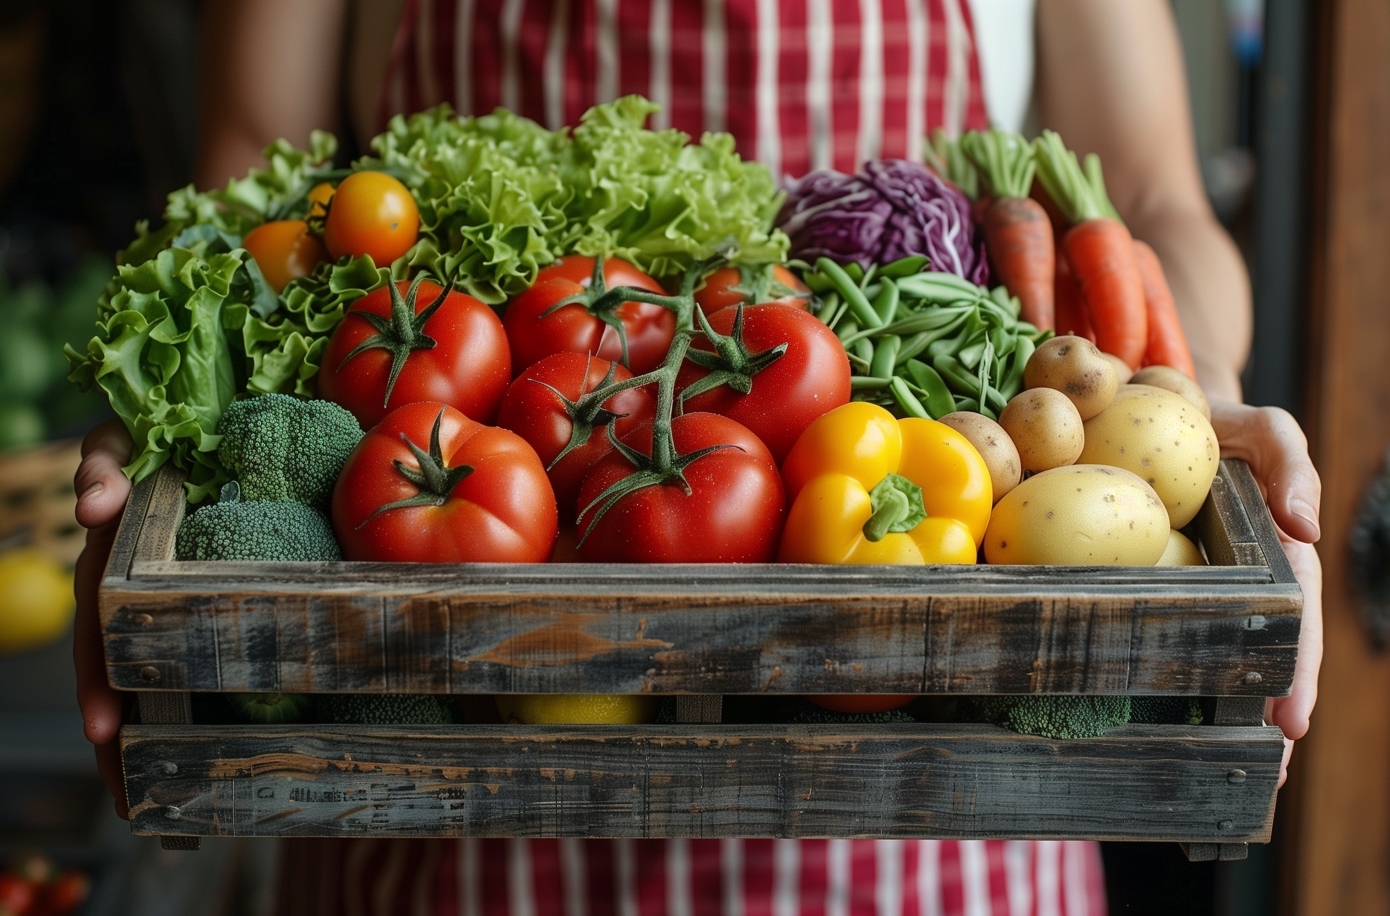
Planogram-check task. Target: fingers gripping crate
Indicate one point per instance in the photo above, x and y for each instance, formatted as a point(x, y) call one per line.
point(1228, 631)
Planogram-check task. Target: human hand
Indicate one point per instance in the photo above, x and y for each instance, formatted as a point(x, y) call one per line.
point(1270, 441)
point(102, 490)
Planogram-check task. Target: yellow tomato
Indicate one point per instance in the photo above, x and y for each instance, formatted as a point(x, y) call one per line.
point(36, 602)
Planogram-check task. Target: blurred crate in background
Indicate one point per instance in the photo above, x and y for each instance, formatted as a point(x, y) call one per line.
point(37, 500)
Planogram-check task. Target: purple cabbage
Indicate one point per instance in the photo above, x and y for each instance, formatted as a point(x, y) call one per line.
point(892, 209)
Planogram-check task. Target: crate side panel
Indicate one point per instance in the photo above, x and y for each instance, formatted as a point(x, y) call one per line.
point(1204, 784)
point(298, 640)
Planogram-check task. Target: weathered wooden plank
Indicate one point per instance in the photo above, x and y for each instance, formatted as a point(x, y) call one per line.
point(128, 533)
point(704, 643)
point(165, 707)
point(162, 517)
point(489, 628)
point(1223, 526)
point(943, 781)
point(1272, 555)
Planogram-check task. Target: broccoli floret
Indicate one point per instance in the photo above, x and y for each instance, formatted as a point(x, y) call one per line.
point(236, 530)
point(1165, 710)
point(282, 449)
point(1051, 717)
point(384, 709)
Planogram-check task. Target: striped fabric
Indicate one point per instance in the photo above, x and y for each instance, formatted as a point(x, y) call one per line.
point(801, 84)
point(690, 878)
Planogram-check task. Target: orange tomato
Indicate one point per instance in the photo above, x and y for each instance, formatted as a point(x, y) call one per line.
point(373, 214)
point(319, 197)
point(284, 249)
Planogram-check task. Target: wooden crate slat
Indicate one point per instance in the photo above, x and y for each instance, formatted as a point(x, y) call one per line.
point(696, 643)
point(942, 781)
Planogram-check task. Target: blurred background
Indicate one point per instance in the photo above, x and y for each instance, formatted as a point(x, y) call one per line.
point(98, 123)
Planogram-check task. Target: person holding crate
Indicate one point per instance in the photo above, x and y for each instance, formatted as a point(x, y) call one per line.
point(802, 85)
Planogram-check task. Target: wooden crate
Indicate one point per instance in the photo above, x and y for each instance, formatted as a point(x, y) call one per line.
point(1228, 631)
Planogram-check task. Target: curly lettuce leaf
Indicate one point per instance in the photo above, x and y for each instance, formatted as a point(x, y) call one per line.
point(166, 361)
point(656, 199)
point(285, 349)
point(489, 191)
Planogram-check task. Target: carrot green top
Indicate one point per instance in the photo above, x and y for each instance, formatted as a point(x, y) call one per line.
point(1079, 193)
point(1004, 160)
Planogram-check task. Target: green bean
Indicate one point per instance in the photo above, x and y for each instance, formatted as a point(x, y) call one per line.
point(818, 282)
point(840, 311)
point(864, 349)
point(886, 302)
point(907, 400)
point(885, 355)
point(863, 312)
point(1013, 380)
point(939, 401)
point(868, 383)
point(854, 270)
point(940, 288)
point(856, 364)
point(829, 302)
point(869, 276)
point(956, 376)
point(903, 267)
point(847, 331)
point(971, 354)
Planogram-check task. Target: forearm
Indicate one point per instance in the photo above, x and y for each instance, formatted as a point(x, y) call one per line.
point(267, 69)
point(1211, 289)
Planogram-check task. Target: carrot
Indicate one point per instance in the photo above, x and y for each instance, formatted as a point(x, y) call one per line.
point(1099, 249)
point(1018, 233)
point(1071, 310)
point(1167, 345)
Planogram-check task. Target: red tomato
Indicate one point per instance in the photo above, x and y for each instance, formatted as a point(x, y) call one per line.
point(809, 379)
point(472, 493)
point(284, 250)
point(534, 409)
point(67, 892)
point(467, 366)
point(733, 285)
point(732, 514)
point(16, 894)
point(854, 703)
point(371, 213)
point(575, 329)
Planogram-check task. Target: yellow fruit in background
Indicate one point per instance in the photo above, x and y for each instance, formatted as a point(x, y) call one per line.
point(36, 601)
point(576, 709)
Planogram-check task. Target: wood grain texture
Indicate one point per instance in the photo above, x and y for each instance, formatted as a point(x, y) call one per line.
point(931, 781)
point(560, 628)
point(1337, 804)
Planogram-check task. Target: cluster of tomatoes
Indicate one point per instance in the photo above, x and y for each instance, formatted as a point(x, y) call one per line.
point(32, 886)
point(604, 412)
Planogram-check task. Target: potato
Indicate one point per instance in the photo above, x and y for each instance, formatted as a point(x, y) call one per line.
point(1164, 439)
point(1180, 552)
point(1122, 370)
point(993, 444)
point(1045, 428)
point(1073, 366)
point(1082, 515)
point(1176, 382)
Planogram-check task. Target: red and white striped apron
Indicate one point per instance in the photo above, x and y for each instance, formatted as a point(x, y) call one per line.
point(801, 84)
point(393, 877)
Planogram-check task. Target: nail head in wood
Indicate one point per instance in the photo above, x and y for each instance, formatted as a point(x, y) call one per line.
point(1253, 677)
point(149, 673)
point(1235, 777)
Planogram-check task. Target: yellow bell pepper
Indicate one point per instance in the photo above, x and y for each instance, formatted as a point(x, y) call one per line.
point(866, 487)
